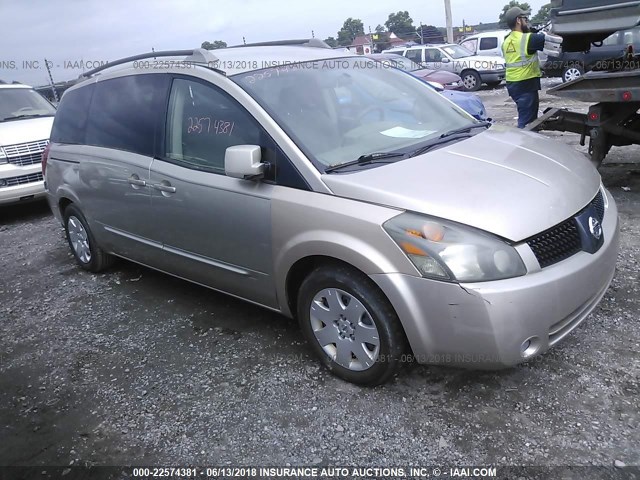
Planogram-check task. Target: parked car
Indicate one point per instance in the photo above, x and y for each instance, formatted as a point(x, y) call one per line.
point(486, 43)
point(468, 101)
point(449, 80)
point(25, 124)
point(446, 83)
point(473, 69)
point(580, 23)
point(602, 56)
point(353, 197)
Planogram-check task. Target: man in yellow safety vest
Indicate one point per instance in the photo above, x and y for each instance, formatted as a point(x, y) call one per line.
point(520, 49)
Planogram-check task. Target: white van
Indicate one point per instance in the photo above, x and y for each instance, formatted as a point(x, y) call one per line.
point(25, 125)
point(486, 43)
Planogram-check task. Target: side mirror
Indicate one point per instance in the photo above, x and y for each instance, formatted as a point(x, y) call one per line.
point(244, 161)
point(444, 60)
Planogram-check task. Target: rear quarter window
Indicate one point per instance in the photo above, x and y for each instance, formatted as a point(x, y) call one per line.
point(125, 113)
point(488, 43)
point(70, 122)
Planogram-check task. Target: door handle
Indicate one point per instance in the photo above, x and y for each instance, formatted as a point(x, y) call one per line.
point(135, 180)
point(164, 187)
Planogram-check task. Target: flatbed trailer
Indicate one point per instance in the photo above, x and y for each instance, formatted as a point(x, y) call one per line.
point(612, 119)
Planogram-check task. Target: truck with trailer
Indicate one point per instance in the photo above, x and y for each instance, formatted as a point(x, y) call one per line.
point(613, 88)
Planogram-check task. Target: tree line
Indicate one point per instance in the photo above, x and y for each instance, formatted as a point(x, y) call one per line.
point(401, 24)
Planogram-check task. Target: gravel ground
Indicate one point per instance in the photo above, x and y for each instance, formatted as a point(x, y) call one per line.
point(135, 367)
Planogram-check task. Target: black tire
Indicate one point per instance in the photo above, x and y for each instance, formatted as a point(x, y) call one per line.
point(494, 84)
point(471, 80)
point(96, 260)
point(572, 72)
point(378, 310)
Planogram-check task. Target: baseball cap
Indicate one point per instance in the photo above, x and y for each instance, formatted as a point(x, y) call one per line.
point(513, 13)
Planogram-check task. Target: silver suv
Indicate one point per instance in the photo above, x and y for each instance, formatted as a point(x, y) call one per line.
point(329, 187)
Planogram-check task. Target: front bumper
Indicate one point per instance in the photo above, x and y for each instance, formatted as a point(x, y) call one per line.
point(484, 325)
point(24, 183)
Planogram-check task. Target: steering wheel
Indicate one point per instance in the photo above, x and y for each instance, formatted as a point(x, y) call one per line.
point(369, 110)
point(24, 109)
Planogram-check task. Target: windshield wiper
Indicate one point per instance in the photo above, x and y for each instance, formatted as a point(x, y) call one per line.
point(449, 136)
point(466, 129)
point(26, 115)
point(377, 157)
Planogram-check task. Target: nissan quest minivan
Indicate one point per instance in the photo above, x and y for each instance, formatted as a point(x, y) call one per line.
point(328, 187)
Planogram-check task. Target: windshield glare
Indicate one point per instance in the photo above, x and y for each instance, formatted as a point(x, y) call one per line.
point(339, 109)
point(403, 63)
point(457, 51)
point(19, 102)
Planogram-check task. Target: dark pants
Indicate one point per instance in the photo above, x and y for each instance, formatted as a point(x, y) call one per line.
point(527, 103)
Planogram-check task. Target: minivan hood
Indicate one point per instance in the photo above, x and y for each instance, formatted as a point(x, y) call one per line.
point(26, 130)
point(512, 183)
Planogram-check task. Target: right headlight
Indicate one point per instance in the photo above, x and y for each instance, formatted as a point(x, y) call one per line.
point(450, 251)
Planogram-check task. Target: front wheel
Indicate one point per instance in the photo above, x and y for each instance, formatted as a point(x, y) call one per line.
point(471, 80)
point(350, 325)
point(82, 243)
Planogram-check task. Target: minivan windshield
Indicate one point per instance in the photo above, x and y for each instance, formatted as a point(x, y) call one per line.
point(18, 103)
point(403, 63)
point(339, 110)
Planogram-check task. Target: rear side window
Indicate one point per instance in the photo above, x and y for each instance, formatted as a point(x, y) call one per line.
point(71, 117)
point(488, 43)
point(125, 113)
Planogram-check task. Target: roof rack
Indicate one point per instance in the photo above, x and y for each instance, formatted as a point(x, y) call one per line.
point(304, 42)
point(198, 55)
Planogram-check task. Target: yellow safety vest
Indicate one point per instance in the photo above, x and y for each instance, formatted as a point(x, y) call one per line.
point(520, 66)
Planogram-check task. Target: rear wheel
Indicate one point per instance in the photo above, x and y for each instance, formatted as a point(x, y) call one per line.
point(572, 72)
point(350, 325)
point(471, 80)
point(494, 84)
point(82, 243)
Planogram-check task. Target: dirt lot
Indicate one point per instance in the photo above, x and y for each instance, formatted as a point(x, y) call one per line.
point(135, 367)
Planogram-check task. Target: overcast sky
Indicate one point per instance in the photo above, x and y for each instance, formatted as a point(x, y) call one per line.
point(68, 31)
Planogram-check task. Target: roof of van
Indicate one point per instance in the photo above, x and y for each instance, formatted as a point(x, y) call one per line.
point(487, 33)
point(15, 85)
point(233, 61)
point(229, 61)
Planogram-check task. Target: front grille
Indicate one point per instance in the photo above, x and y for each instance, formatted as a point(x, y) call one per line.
point(28, 159)
point(556, 244)
point(598, 204)
point(23, 154)
point(563, 240)
point(22, 179)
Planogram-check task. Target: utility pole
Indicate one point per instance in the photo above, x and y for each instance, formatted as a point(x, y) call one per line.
point(447, 12)
point(53, 87)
